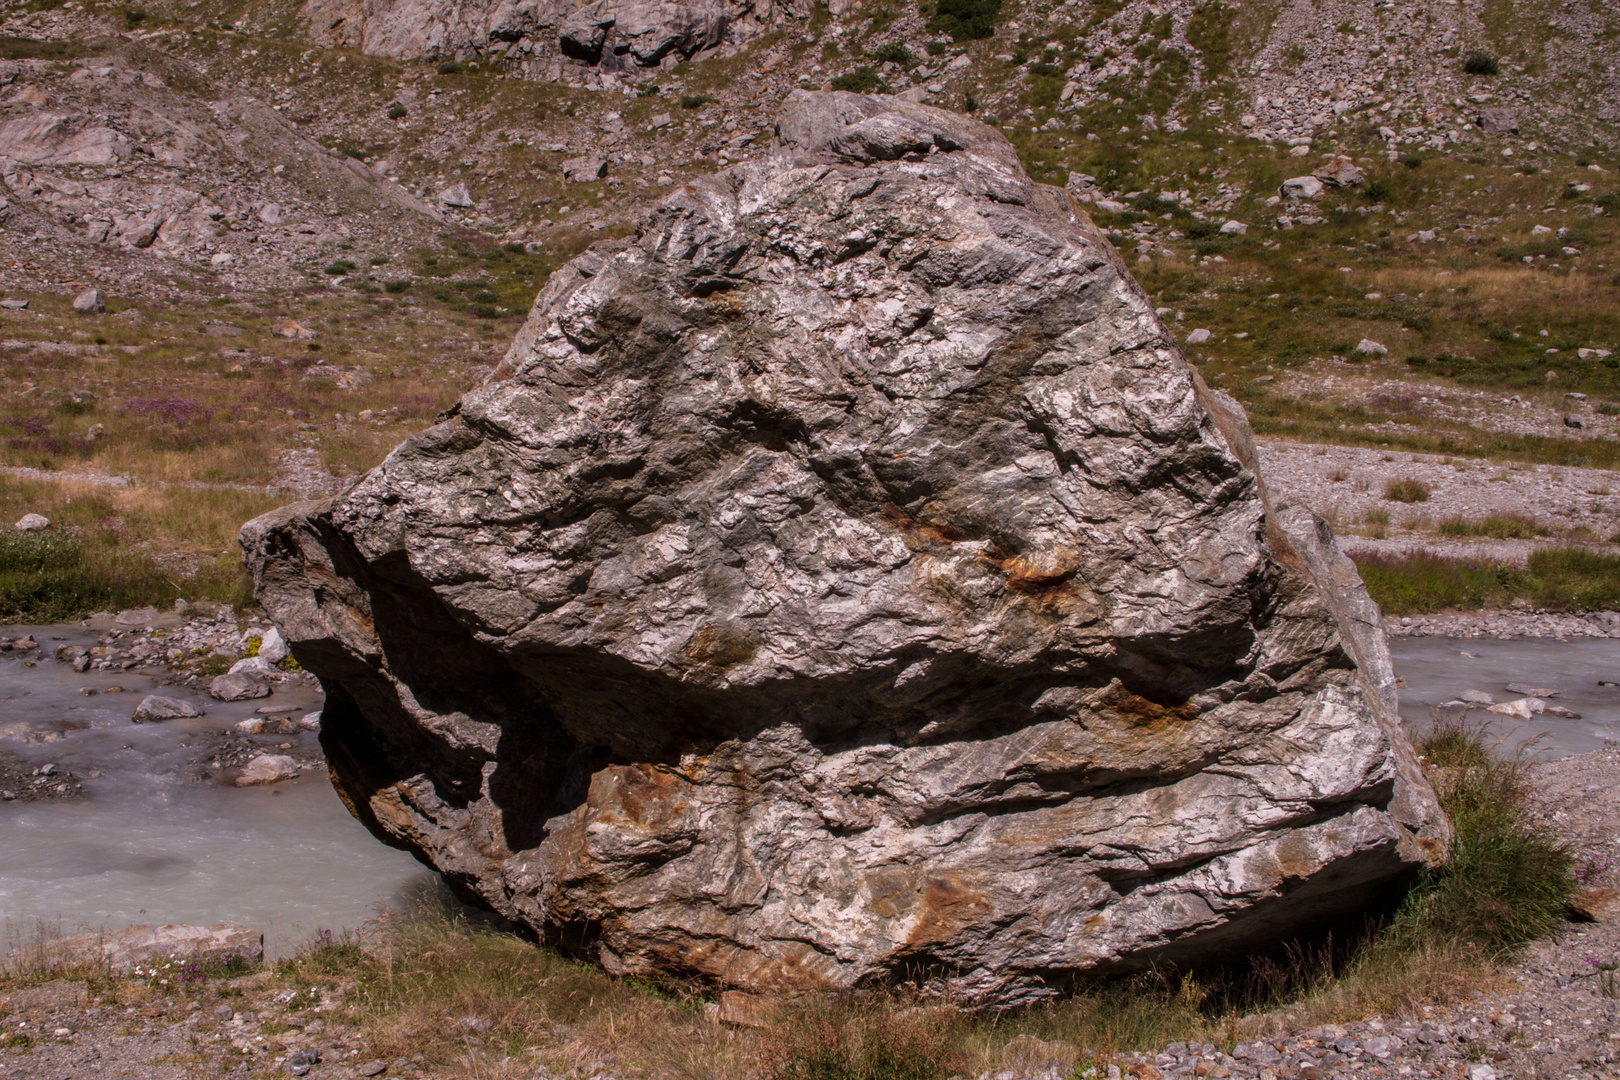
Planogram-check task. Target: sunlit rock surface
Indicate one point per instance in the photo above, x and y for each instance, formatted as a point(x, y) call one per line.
point(847, 579)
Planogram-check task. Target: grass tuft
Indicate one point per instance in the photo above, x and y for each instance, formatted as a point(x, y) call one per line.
point(1406, 489)
point(1506, 882)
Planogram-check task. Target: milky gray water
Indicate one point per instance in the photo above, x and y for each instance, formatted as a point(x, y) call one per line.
point(148, 843)
point(1437, 670)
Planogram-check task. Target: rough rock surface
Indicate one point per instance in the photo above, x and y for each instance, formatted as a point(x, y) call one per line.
point(154, 708)
point(239, 686)
point(536, 36)
point(846, 578)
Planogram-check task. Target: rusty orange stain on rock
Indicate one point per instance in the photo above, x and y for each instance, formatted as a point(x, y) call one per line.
point(1141, 712)
point(920, 535)
point(716, 645)
point(948, 906)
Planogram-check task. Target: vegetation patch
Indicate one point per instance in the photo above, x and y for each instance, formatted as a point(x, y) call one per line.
point(1554, 578)
point(1507, 881)
point(1406, 489)
point(1497, 526)
point(863, 80)
point(965, 20)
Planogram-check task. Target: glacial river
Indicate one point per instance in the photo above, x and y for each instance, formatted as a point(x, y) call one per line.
point(148, 844)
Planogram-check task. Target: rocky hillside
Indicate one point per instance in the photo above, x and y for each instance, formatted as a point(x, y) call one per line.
point(295, 129)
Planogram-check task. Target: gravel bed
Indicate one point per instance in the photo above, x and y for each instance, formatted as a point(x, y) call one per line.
point(1344, 484)
point(1508, 624)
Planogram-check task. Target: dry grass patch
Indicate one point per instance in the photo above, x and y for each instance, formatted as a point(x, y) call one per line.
point(1406, 489)
point(115, 547)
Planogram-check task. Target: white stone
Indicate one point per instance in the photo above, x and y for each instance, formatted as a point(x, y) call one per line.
point(583, 170)
point(1198, 337)
point(1522, 709)
point(1301, 187)
point(272, 647)
point(1234, 228)
point(33, 523)
point(456, 195)
point(1369, 347)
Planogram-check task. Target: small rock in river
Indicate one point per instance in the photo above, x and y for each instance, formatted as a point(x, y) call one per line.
point(1477, 697)
point(154, 708)
point(241, 686)
point(267, 769)
point(1531, 691)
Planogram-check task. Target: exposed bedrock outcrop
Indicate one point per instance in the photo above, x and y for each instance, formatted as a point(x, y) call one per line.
point(535, 37)
point(846, 578)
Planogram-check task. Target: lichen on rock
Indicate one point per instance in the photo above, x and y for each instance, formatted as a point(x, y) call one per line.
point(846, 579)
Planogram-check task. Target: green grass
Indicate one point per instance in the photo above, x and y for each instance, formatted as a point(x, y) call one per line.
point(1556, 578)
point(863, 80)
point(1506, 882)
point(965, 20)
point(1496, 526)
point(46, 577)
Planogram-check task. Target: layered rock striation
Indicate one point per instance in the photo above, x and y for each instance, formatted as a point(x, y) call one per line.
point(846, 579)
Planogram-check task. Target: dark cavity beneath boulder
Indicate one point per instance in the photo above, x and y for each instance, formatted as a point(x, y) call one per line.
point(846, 579)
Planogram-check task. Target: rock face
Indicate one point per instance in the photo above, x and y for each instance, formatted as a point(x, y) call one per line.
point(846, 578)
point(535, 37)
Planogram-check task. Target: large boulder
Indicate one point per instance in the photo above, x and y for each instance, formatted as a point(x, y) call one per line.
point(846, 578)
